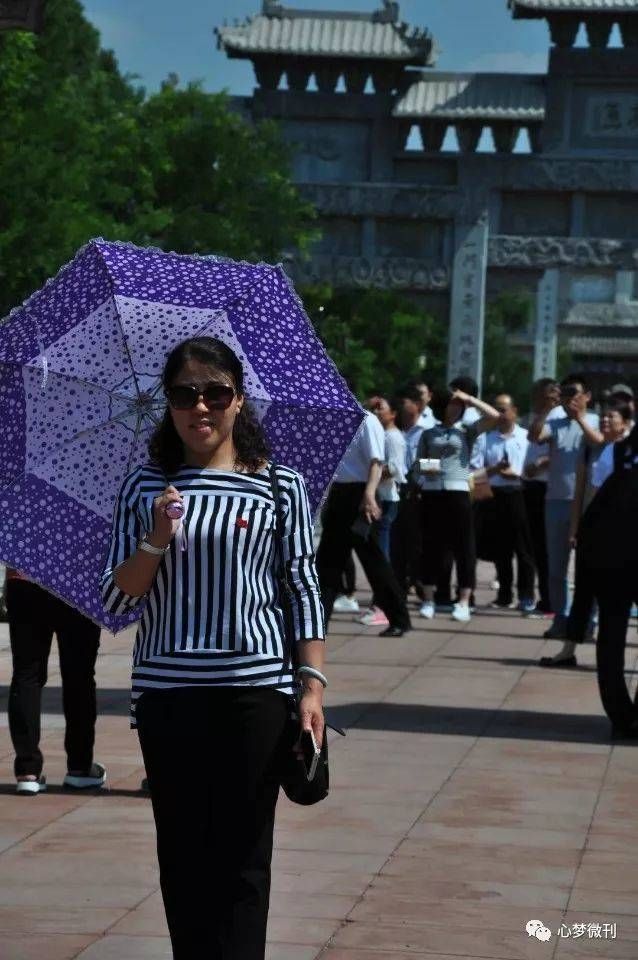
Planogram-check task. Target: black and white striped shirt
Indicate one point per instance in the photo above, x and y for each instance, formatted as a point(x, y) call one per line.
point(212, 616)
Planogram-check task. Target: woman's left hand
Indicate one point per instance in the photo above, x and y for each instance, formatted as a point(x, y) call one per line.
point(311, 714)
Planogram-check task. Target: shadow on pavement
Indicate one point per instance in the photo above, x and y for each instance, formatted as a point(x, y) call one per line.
point(411, 718)
point(473, 721)
point(59, 790)
point(518, 662)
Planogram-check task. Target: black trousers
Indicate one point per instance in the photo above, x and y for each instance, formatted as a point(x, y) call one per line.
point(34, 616)
point(509, 530)
point(448, 528)
point(349, 577)
point(534, 494)
point(210, 756)
point(615, 591)
point(338, 539)
point(405, 540)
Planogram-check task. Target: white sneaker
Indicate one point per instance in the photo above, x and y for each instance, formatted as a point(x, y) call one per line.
point(427, 610)
point(345, 604)
point(461, 612)
point(374, 618)
point(31, 787)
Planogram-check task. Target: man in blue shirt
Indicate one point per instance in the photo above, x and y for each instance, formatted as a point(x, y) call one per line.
point(567, 438)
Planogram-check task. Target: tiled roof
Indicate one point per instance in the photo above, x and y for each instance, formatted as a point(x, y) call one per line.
point(318, 33)
point(485, 96)
point(604, 346)
point(575, 6)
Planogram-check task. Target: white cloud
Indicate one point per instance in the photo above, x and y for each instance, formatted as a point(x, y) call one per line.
point(509, 61)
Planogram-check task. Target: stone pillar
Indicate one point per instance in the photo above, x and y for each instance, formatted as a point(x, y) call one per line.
point(545, 338)
point(624, 286)
point(467, 310)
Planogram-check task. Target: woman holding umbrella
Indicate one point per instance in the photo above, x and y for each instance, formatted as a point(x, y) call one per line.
point(210, 670)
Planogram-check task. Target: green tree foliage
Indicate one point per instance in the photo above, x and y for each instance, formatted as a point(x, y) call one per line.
point(224, 182)
point(84, 153)
point(377, 339)
point(70, 151)
point(506, 368)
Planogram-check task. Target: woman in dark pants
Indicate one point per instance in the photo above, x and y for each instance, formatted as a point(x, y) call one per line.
point(448, 523)
point(34, 615)
point(211, 675)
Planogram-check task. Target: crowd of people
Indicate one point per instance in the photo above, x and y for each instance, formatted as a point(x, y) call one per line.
point(439, 478)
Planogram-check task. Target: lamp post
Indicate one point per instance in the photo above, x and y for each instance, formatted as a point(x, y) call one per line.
point(22, 15)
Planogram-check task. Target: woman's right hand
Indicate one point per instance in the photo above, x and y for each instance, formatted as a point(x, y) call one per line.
point(164, 529)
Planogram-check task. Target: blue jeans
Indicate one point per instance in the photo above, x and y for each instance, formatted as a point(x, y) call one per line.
point(557, 520)
point(383, 525)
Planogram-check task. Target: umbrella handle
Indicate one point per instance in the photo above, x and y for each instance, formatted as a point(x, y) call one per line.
point(175, 511)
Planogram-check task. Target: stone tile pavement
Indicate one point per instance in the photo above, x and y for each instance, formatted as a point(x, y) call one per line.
point(474, 793)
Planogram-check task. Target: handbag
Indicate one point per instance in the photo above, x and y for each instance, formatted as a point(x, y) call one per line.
point(480, 489)
point(291, 768)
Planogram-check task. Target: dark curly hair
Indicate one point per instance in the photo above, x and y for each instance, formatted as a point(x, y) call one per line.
point(166, 449)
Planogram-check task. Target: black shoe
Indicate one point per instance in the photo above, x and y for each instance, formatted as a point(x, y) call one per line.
point(563, 662)
point(95, 776)
point(500, 604)
point(622, 732)
point(393, 631)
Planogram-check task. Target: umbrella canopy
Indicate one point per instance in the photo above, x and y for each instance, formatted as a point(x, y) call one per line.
point(80, 394)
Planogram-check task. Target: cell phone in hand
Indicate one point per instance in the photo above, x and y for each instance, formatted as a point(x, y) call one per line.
point(310, 753)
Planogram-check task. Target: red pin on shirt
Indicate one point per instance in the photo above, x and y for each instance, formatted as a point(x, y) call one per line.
point(240, 522)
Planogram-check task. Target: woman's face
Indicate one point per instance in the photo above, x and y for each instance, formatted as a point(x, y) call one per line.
point(454, 411)
point(203, 430)
point(612, 425)
point(385, 413)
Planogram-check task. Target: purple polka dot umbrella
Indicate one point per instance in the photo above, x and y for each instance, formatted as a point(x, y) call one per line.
point(80, 394)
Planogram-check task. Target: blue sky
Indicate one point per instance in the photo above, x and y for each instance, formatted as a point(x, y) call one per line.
point(152, 38)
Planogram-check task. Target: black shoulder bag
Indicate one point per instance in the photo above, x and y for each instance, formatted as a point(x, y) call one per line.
point(291, 768)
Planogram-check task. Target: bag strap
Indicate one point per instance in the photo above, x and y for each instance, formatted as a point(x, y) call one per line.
point(285, 590)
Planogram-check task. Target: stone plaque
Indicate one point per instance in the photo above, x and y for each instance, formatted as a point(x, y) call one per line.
point(546, 325)
point(325, 151)
point(467, 312)
point(612, 115)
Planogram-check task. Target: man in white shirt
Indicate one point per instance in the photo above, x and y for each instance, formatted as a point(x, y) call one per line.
point(503, 453)
point(348, 524)
point(567, 437)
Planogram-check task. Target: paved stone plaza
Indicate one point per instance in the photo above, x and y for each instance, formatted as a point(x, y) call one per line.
point(474, 793)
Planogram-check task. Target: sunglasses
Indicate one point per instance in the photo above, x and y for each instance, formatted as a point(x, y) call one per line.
point(216, 396)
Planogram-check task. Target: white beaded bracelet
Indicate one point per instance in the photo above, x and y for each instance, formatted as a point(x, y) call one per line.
point(313, 672)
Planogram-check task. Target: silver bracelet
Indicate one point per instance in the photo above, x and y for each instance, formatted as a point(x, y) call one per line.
point(313, 672)
point(149, 548)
